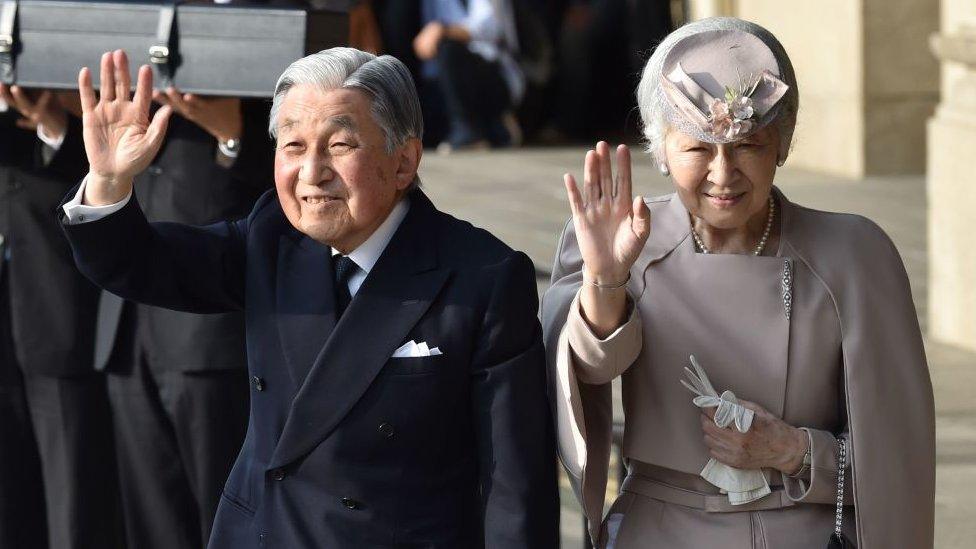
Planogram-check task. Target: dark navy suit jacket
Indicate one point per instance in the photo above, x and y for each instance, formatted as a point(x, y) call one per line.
point(346, 447)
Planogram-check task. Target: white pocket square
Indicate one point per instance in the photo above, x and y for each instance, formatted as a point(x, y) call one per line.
point(412, 349)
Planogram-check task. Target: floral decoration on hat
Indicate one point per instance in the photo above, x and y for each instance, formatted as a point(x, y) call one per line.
point(705, 91)
point(730, 118)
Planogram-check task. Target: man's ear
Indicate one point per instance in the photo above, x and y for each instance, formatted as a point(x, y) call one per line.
point(408, 161)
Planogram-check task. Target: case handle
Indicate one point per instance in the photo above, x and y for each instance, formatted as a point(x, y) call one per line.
point(162, 54)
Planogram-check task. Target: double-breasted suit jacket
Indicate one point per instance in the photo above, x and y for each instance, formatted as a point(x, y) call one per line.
point(347, 447)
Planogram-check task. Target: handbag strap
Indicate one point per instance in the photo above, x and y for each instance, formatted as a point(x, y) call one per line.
point(841, 465)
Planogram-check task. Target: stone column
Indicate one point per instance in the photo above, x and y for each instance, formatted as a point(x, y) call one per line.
point(700, 9)
point(952, 183)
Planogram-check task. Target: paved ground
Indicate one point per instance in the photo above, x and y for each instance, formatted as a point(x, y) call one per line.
point(518, 195)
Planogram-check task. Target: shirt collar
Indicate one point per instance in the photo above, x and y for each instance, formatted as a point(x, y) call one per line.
point(368, 253)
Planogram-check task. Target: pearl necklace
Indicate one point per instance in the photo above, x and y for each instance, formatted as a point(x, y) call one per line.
point(762, 241)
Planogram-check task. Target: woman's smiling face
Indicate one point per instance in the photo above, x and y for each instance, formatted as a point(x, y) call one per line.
point(723, 184)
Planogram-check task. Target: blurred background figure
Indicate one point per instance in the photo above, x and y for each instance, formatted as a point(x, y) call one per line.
point(364, 30)
point(491, 72)
point(603, 45)
point(463, 54)
point(177, 382)
point(57, 458)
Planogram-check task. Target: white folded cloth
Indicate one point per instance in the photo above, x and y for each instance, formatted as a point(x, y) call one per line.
point(412, 349)
point(741, 485)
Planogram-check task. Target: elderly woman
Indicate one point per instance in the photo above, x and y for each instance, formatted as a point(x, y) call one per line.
point(810, 415)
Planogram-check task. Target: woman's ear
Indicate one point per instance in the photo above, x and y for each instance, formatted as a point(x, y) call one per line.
point(408, 162)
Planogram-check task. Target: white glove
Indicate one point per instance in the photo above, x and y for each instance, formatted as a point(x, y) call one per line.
point(741, 485)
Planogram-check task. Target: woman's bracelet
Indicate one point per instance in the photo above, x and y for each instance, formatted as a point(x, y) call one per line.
point(608, 286)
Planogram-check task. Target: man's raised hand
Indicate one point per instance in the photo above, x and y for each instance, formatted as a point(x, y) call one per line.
point(120, 140)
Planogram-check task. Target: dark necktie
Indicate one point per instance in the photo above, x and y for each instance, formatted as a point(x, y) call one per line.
point(343, 268)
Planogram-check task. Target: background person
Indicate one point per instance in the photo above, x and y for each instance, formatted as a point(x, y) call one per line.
point(58, 484)
point(470, 79)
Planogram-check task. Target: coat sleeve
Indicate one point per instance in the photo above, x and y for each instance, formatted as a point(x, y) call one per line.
point(69, 162)
point(170, 265)
point(598, 361)
point(583, 411)
point(890, 405)
point(819, 485)
point(254, 164)
point(514, 427)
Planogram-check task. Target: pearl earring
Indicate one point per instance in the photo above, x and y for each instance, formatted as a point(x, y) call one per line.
point(663, 168)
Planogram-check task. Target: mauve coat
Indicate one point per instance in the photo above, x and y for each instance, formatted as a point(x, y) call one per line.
point(847, 360)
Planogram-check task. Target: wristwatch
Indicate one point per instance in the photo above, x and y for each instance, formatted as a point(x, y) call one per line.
point(230, 148)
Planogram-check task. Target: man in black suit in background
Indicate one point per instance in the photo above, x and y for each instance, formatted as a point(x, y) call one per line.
point(399, 395)
point(178, 381)
point(53, 405)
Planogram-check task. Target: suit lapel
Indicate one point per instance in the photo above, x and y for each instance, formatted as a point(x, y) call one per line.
point(396, 294)
point(668, 229)
point(305, 301)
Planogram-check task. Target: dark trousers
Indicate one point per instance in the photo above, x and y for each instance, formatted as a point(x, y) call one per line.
point(466, 101)
point(177, 435)
point(57, 465)
point(22, 522)
point(73, 429)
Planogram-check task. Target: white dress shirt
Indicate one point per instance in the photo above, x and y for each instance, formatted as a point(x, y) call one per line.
point(365, 256)
point(369, 252)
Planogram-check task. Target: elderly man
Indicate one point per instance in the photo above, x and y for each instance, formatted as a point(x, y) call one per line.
point(397, 372)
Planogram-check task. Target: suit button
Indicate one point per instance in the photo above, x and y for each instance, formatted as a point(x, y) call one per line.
point(278, 474)
point(350, 503)
point(258, 383)
point(386, 429)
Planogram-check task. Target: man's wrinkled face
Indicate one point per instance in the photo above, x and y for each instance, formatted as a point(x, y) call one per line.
point(335, 180)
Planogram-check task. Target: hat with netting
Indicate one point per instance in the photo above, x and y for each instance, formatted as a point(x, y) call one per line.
point(721, 85)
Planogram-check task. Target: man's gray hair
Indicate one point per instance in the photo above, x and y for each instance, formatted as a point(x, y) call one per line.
point(653, 105)
point(395, 105)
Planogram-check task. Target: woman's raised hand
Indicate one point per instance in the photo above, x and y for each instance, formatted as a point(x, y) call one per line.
point(611, 226)
point(120, 140)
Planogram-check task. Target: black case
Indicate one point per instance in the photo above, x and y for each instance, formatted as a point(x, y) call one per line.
point(235, 49)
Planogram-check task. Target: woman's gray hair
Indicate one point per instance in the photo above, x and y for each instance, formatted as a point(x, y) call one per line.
point(395, 105)
point(653, 105)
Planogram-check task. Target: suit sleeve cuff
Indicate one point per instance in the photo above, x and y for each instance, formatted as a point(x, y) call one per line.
point(75, 212)
point(821, 486)
point(599, 361)
point(54, 143)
